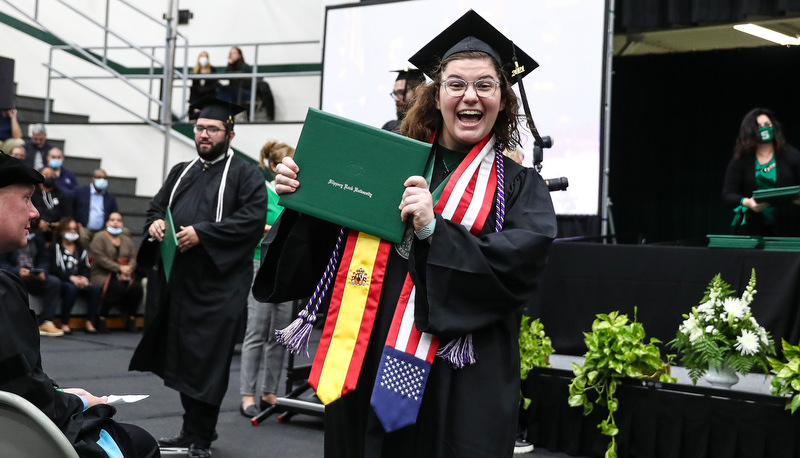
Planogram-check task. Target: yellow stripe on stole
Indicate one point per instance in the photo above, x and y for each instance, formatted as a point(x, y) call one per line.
point(348, 323)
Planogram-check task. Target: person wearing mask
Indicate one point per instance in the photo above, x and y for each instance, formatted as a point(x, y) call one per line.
point(65, 179)
point(403, 95)
point(218, 204)
point(762, 159)
point(84, 419)
point(261, 350)
point(202, 87)
point(10, 130)
point(440, 310)
point(92, 204)
point(52, 204)
point(113, 270)
point(37, 148)
point(69, 261)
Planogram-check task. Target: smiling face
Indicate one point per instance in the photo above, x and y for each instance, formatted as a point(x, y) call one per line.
point(469, 118)
point(210, 146)
point(18, 211)
point(114, 220)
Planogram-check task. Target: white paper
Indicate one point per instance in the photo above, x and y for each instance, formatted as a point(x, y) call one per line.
point(126, 398)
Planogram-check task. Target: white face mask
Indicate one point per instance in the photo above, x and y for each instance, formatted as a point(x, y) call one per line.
point(71, 236)
point(203, 61)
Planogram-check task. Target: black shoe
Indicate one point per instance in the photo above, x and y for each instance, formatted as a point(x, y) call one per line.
point(101, 327)
point(181, 440)
point(199, 452)
point(130, 324)
point(264, 404)
point(250, 411)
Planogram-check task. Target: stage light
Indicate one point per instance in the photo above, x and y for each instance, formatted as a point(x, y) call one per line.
point(767, 34)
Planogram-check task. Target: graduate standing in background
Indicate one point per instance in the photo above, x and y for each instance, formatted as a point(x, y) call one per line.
point(218, 204)
point(480, 227)
point(403, 95)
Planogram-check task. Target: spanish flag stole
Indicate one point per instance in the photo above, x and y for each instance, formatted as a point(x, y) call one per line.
point(465, 197)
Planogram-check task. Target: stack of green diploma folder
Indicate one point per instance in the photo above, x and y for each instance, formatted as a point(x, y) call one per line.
point(777, 196)
point(734, 241)
point(782, 243)
point(353, 174)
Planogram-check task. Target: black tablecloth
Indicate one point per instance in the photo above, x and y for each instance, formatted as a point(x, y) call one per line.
point(662, 421)
point(664, 282)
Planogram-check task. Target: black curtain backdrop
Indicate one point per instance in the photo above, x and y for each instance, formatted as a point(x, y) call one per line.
point(674, 122)
point(632, 15)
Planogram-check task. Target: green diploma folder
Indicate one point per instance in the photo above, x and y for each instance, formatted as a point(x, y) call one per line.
point(777, 196)
point(169, 245)
point(352, 174)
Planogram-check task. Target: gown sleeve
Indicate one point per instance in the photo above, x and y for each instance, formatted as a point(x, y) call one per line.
point(465, 282)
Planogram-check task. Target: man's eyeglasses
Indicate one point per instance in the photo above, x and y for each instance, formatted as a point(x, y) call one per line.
point(457, 87)
point(398, 95)
point(212, 130)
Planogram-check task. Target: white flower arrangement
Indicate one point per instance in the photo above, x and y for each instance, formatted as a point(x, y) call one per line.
point(722, 331)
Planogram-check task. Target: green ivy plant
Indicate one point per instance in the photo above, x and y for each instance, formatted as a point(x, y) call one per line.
point(616, 350)
point(786, 378)
point(535, 349)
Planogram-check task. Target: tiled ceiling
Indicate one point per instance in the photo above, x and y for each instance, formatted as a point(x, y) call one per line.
point(700, 38)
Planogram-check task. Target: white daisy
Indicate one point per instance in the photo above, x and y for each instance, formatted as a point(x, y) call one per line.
point(735, 307)
point(747, 343)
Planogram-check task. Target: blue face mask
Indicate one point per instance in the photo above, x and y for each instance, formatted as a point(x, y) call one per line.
point(56, 163)
point(100, 184)
point(114, 230)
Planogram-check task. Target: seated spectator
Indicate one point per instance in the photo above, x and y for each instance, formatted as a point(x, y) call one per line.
point(32, 264)
point(202, 87)
point(65, 179)
point(84, 419)
point(37, 147)
point(238, 89)
point(69, 261)
point(10, 130)
point(113, 265)
point(92, 205)
point(18, 152)
point(51, 202)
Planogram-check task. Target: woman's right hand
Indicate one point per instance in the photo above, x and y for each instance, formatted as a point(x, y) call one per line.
point(751, 203)
point(286, 176)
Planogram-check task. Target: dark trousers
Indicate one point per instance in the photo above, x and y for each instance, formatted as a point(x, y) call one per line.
point(69, 292)
point(128, 301)
point(48, 290)
point(199, 420)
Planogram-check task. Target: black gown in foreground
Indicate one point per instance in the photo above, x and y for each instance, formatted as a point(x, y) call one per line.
point(465, 284)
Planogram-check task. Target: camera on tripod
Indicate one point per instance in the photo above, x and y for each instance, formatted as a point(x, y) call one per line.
point(553, 184)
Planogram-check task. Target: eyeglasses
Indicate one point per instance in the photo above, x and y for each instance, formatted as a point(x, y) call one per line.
point(457, 87)
point(398, 95)
point(212, 130)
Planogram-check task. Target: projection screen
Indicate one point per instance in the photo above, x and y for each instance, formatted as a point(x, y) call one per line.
point(364, 42)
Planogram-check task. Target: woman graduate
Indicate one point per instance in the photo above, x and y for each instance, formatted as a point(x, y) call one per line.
point(434, 368)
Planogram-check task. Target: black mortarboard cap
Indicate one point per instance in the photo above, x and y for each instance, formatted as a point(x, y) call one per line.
point(214, 108)
point(13, 171)
point(411, 74)
point(471, 32)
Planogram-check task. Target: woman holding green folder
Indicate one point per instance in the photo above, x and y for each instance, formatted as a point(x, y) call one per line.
point(419, 355)
point(762, 159)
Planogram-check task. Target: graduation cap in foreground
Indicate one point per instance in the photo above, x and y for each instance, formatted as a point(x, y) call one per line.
point(214, 108)
point(410, 74)
point(471, 32)
point(14, 171)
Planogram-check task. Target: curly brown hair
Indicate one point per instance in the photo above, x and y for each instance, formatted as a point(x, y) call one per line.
point(423, 118)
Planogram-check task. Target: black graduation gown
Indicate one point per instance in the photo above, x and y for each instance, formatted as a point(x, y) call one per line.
point(465, 284)
point(21, 373)
point(189, 342)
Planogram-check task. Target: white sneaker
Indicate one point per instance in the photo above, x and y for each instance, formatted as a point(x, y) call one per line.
point(49, 329)
point(522, 446)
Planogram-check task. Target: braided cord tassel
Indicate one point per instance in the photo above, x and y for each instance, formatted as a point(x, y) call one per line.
point(295, 337)
point(460, 352)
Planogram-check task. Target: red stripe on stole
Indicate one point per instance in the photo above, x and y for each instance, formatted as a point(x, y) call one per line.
point(368, 319)
point(463, 203)
point(486, 206)
point(433, 348)
point(397, 319)
point(413, 340)
point(333, 309)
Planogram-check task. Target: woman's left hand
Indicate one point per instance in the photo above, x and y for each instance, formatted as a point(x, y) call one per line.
point(417, 202)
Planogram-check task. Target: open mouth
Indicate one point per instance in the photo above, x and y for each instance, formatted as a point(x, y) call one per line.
point(470, 116)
